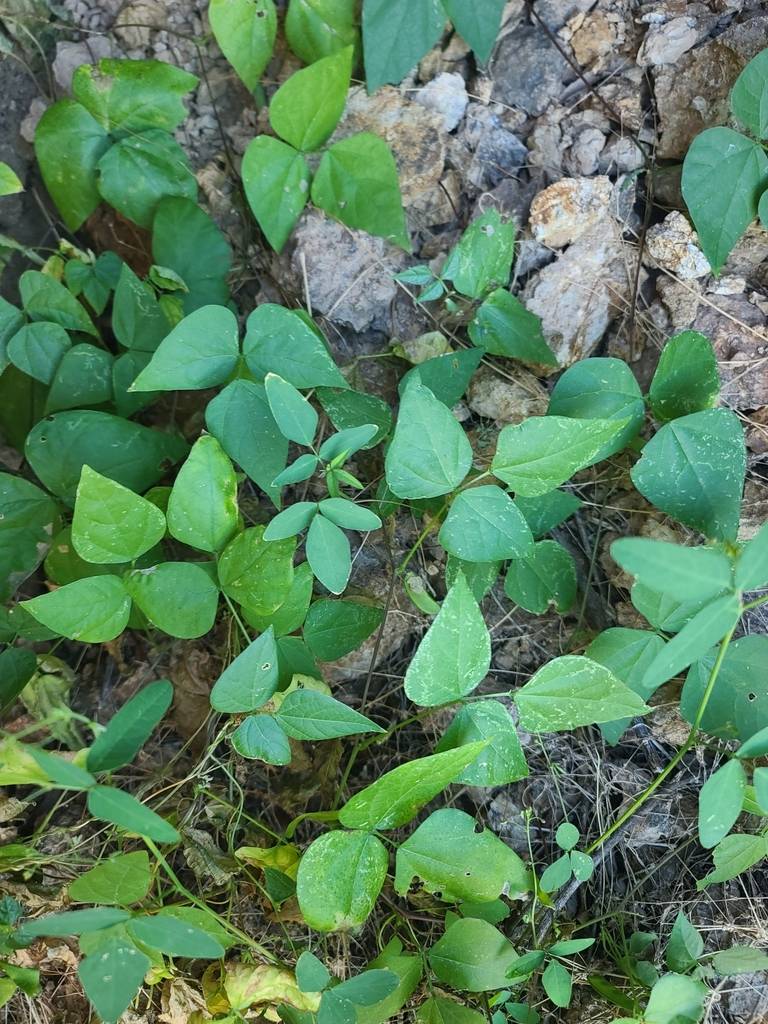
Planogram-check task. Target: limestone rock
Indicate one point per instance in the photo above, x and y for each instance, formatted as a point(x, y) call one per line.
point(491, 153)
point(568, 209)
point(739, 336)
point(667, 42)
point(445, 95)
point(672, 246)
point(507, 400)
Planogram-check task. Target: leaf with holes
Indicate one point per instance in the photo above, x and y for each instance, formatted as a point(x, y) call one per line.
point(250, 680)
point(245, 31)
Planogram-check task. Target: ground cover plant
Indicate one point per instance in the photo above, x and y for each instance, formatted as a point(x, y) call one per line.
point(189, 472)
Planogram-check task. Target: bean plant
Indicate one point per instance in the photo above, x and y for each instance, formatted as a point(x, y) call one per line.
point(246, 526)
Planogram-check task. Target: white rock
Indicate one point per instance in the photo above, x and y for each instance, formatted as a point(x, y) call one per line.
point(446, 95)
point(666, 43)
point(568, 209)
point(672, 246)
point(69, 57)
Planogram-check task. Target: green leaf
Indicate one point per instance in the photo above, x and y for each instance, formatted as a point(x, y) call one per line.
point(706, 628)
point(124, 810)
point(348, 515)
point(11, 320)
point(311, 974)
point(112, 977)
point(502, 760)
point(557, 983)
point(130, 728)
point(308, 715)
point(556, 874)
point(307, 107)
point(455, 861)
point(140, 170)
point(367, 988)
point(328, 554)
point(318, 28)
point(348, 409)
point(69, 144)
point(62, 772)
point(276, 181)
point(82, 378)
point(740, 960)
point(676, 999)
point(92, 610)
point(685, 573)
point(17, 666)
point(736, 706)
point(749, 96)
point(734, 855)
point(686, 378)
point(438, 1010)
point(339, 879)
point(572, 691)
point(295, 417)
point(111, 524)
point(720, 801)
point(129, 96)
point(72, 922)
point(121, 880)
point(245, 31)
point(178, 597)
point(292, 612)
point(61, 444)
point(138, 320)
point(477, 24)
point(627, 653)
point(472, 956)
point(601, 389)
point(202, 508)
point(446, 376)
point(546, 576)
point(347, 442)
point(10, 183)
point(724, 174)
point(567, 836)
point(291, 521)
point(250, 680)
point(483, 256)
point(484, 525)
point(407, 969)
point(257, 573)
point(396, 35)
point(504, 327)
point(752, 563)
point(396, 797)
point(37, 349)
point(45, 298)
point(542, 452)
point(480, 576)
point(188, 241)
point(261, 738)
point(175, 938)
point(200, 352)
point(755, 746)
point(685, 945)
point(661, 611)
point(429, 454)
point(693, 470)
point(301, 469)
point(455, 653)
point(282, 341)
point(29, 517)
point(335, 628)
point(242, 422)
point(356, 182)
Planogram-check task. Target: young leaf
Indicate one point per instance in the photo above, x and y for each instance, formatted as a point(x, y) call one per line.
point(693, 469)
point(356, 182)
point(483, 256)
point(121, 880)
point(257, 573)
point(504, 327)
point(478, 24)
point(350, 516)
point(429, 454)
point(572, 691)
point(45, 298)
point(545, 576)
point(175, 938)
point(178, 597)
point(734, 855)
point(396, 797)
point(112, 976)
point(720, 801)
point(722, 215)
point(627, 653)
point(676, 999)
point(291, 521)
point(295, 417)
point(250, 680)
point(93, 610)
point(684, 573)
point(308, 715)
point(485, 525)
point(752, 563)
point(307, 107)
point(200, 352)
point(38, 348)
point(502, 760)
point(10, 183)
point(686, 378)
point(276, 182)
point(260, 737)
point(283, 341)
point(347, 442)
point(396, 35)
point(685, 945)
point(472, 956)
point(245, 31)
point(111, 524)
point(328, 554)
point(124, 810)
point(557, 983)
point(455, 861)
point(130, 728)
point(567, 836)
point(339, 879)
point(455, 653)
point(202, 508)
point(335, 628)
point(129, 96)
point(542, 452)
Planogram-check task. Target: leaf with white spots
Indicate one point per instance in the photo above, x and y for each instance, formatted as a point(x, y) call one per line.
point(276, 181)
point(202, 508)
point(502, 760)
point(111, 524)
point(200, 352)
point(340, 876)
point(546, 576)
point(250, 680)
point(485, 525)
point(93, 610)
point(174, 937)
point(720, 802)
point(112, 976)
